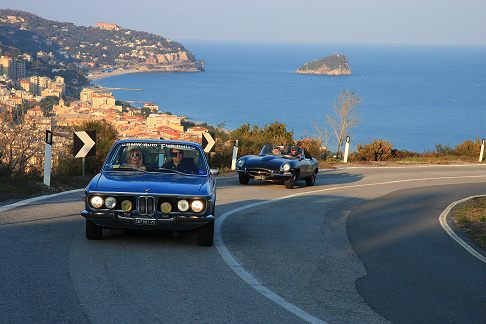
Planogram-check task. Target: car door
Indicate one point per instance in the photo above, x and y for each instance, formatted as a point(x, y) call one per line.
point(306, 166)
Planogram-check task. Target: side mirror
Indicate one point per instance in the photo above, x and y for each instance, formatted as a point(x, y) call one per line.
point(214, 172)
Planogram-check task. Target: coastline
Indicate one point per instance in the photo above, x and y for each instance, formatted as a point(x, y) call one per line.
point(103, 75)
point(190, 68)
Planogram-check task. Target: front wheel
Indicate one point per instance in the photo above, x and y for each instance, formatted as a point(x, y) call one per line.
point(93, 231)
point(289, 183)
point(311, 180)
point(205, 235)
point(244, 179)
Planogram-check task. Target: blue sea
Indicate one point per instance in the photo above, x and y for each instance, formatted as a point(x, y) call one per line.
point(413, 96)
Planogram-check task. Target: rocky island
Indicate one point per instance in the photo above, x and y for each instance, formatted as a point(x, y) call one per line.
point(336, 64)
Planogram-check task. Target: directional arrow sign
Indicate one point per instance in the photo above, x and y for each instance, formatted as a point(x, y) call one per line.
point(208, 142)
point(84, 144)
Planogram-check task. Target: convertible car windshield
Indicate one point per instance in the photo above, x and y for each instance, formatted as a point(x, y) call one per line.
point(281, 150)
point(156, 157)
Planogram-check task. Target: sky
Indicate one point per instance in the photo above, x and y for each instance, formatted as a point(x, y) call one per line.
point(344, 21)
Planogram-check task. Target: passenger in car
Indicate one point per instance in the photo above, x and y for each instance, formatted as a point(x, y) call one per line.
point(134, 159)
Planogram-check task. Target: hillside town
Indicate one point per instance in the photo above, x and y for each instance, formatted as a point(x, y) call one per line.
point(105, 47)
point(19, 93)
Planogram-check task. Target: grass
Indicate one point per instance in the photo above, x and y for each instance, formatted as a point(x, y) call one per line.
point(471, 216)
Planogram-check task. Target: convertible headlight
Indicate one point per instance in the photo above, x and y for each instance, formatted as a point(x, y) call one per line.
point(197, 206)
point(126, 205)
point(165, 207)
point(240, 163)
point(110, 202)
point(96, 201)
point(286, 167)
point(183, 205)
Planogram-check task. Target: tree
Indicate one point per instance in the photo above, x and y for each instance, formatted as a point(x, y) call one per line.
point(345, 116)
point(21, 144)
point(106, 135)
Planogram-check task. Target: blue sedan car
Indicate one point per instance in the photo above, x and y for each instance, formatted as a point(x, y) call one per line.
point(152, 185)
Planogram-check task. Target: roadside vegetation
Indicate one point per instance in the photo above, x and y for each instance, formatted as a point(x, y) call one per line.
point(471, 217)
point(21, 169)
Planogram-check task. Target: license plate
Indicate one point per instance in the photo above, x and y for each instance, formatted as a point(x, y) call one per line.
point(260, 177)
point(143, 221)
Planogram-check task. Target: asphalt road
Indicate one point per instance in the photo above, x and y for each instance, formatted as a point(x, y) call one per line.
point(363, 245)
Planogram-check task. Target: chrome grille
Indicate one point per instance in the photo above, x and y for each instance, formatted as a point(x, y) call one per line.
point(260, 172)
point(146, 205)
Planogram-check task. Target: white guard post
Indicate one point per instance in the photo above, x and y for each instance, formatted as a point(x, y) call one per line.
point(235, 154)
point(481, 155)
point(48, 159)
point(346, 150)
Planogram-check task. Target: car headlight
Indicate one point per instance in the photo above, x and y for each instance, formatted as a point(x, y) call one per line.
point(110, 202)
point(96, 201)
point(165, 207)
point(183, 205)
point(126, 205)
point(240, 163)
point(197, 206)
point(286, 167)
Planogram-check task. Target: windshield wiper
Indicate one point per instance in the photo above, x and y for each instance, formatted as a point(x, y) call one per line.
point(170, 171)
point(127, 169)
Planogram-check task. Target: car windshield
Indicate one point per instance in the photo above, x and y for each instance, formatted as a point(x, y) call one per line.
point(272, 149)
point(291, 152)
point(156, 157)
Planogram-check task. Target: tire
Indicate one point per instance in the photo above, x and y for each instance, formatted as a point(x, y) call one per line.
point(244, 179)
point(289, 183)
point(93, 231)
point(311, 180)
point(205, 235)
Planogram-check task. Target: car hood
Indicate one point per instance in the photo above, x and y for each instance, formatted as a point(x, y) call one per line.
point(272, 162)
point(159, 183)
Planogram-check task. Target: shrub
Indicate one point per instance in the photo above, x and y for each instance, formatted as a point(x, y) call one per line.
point(443, 150)
point(379, 150)
point(469, 148)
point(403, 154)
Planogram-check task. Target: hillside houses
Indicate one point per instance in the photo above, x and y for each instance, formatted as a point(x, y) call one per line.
point(97, 104)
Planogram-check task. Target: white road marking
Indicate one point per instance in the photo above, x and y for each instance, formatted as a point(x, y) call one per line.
point(32, 200)
point(422, 166)
point(446, 227)
point(252, 281)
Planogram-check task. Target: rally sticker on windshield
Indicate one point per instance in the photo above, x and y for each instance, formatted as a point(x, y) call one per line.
point(161, 145)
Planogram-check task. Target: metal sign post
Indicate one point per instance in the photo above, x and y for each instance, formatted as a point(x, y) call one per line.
point(48, 158)
point(235, 153)
point(481, 155)
point(84, 167)
point(346, 150)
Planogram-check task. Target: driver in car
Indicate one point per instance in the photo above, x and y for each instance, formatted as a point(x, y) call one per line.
point(177, 162)
point(293, 152)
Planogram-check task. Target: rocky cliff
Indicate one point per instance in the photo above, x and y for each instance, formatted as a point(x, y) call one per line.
point(336, 64)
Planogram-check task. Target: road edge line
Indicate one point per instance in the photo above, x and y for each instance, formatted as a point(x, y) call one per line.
point(451, 233)
point(247, 276)
point(35, 199)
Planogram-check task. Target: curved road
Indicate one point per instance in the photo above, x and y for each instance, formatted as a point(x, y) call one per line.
point(363, 245)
